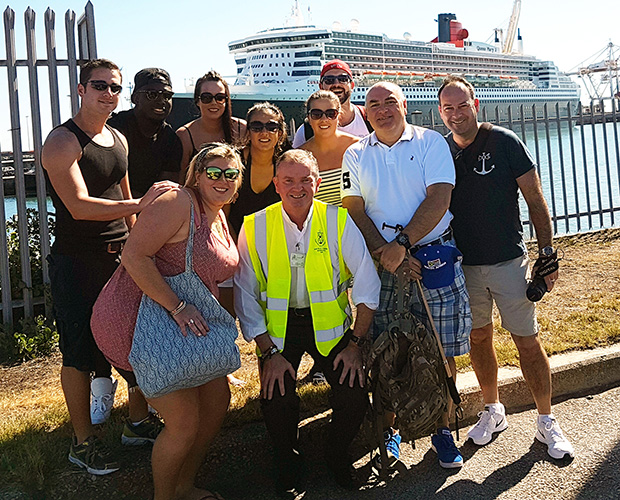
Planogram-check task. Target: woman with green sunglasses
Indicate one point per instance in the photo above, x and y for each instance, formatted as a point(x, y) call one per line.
point(156, 248)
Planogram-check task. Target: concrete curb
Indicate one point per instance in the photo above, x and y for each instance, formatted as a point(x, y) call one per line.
point(571, 373)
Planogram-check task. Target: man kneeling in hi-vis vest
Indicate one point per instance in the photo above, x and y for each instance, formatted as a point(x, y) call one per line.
point(296, 261)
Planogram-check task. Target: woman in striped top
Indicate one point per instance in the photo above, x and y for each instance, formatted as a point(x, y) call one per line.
point(328, 143)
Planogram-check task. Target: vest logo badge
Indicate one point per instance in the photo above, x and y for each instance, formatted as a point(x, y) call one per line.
point(484, 170)
point(320, 242)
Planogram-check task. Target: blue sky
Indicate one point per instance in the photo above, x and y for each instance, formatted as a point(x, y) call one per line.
point(188, 37)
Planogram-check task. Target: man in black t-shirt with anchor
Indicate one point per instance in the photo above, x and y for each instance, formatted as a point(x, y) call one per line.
point(492, 165)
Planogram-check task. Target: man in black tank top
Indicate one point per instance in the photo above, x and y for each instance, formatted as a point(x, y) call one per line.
point(85, 163)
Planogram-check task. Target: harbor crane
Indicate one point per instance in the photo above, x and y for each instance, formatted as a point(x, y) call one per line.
point(512, 27)
point(600, 73)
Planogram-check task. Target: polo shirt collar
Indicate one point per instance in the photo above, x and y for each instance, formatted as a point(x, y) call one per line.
point(407, 136)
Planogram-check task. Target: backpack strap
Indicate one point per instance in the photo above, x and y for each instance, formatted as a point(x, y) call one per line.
point(362, 111)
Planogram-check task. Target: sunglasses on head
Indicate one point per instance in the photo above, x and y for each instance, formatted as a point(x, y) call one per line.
point(257, 126)
point(215, 173)
point(153, 95)
point(207, 98)
point(330, 80)
point(102, 85)
point(317, 114)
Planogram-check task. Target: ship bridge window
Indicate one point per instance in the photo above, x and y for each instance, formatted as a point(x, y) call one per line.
point(307, 63)
point(309, 53)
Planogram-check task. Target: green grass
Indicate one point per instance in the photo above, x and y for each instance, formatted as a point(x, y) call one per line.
point(35, 431)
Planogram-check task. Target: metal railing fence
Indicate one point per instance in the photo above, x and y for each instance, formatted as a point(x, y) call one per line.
point(87, 50)
point(577, 150)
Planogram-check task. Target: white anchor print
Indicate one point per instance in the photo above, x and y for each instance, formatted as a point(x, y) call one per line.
point(483, 158)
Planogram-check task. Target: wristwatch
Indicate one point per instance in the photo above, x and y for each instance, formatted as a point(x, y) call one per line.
point(547, 251)
point(270, 352)
point(403, 240)
point(358, 341)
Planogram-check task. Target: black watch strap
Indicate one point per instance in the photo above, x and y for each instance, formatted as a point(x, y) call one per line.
point(270, 352)
point(403, 240)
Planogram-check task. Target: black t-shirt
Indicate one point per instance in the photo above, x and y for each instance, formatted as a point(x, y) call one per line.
point(148, 156)
point(485, 201)
point(249, 202)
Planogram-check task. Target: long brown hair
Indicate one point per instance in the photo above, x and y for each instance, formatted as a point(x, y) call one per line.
point(214, 76)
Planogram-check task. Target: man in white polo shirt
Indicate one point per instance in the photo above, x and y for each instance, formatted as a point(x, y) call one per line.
point(396, 184)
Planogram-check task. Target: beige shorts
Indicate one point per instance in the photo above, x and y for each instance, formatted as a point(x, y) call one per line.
point(505, 283)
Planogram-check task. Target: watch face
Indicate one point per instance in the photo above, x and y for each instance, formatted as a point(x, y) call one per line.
point(403, 239)
point(547, 251)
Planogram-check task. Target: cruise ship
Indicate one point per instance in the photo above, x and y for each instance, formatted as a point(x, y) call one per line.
point(283, 65)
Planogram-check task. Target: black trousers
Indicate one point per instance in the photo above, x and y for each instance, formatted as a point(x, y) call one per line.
point(281, 413)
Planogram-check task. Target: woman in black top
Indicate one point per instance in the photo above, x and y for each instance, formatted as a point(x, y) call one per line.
point(216, 123)
point(265, 141)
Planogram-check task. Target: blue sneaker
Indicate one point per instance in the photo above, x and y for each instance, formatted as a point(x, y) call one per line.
point(392, 442)
point(447, 452)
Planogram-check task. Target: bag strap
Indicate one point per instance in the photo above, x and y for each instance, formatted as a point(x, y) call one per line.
point(402, 293)
point(189, 249)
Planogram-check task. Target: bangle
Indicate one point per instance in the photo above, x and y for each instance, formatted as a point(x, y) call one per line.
point(178, 308)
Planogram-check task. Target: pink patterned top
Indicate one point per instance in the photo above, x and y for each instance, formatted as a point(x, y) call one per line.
point(116, 310)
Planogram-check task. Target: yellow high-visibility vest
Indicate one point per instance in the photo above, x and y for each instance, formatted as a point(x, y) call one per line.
point(326, 273)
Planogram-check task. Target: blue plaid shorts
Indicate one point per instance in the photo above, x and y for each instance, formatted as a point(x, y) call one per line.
point(449, 307)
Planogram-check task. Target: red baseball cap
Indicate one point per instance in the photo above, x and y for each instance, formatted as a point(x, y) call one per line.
point(336, 64)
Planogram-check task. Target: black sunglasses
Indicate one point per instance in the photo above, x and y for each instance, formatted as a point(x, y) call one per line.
point(207, 98)
point(317, 114)
point(153, 95)
point(257, 126)
point(215, 173)
point(102, 85)
point(331, 80)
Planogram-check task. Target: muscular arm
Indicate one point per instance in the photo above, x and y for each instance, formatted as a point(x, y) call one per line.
point(357, 210)
point(60, 156)
point(130, 220)
point(529, 184)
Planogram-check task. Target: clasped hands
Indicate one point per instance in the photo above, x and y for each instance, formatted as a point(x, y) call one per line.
point(392, 255)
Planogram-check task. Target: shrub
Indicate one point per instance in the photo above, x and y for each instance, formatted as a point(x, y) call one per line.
point(34, 242)
point(33, 338)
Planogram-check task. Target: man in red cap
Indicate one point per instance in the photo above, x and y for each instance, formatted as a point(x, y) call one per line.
point(336, 77)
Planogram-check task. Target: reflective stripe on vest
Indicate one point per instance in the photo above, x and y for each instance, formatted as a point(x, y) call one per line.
point(326, 283)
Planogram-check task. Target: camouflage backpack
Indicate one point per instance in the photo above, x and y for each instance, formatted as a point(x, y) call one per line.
point(408, 377)
point(407, 373)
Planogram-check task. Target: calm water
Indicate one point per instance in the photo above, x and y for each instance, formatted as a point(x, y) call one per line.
point(10, 205)
point(577, 177)
point(579, 174)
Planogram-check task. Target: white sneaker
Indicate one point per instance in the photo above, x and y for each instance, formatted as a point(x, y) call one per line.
point(491, 420)
point(549, 433)
point(102, 390)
